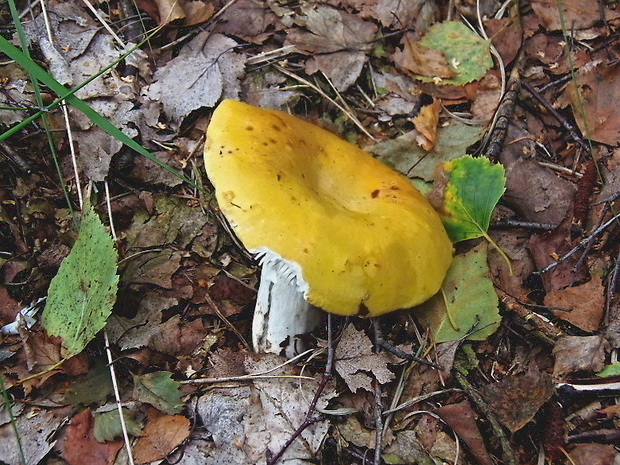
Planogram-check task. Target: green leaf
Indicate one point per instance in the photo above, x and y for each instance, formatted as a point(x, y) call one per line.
point(108, 425)
point(159, 390)
point(474, 187)
point(613, 369)
point(467, 305)
point(81, 295)
point(468, 54)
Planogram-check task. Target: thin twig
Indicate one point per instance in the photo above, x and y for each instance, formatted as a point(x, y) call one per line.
point(117, 397)
point(510, 223)
point(252, 376)
point(563, 121)
point(579, 246)
point(327, 97)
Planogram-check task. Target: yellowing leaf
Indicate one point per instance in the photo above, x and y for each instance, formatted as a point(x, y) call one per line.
point(468, 54)
point(473, 188)
point(467, 305)
point(81, 295)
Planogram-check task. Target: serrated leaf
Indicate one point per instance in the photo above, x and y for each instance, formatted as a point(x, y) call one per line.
point(467, 305)
point(468, 54)
point(474, 186)
point(108, 425)
point(81, 295)
point(159, 390)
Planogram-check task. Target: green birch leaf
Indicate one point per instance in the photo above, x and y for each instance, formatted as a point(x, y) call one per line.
point(466, 305)
point(81, 295)
point(474, 187)
point(468, 54)
point(159, 390)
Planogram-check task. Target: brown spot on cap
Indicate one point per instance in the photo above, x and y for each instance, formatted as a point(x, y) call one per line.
point(362, 310)
point(374, 194)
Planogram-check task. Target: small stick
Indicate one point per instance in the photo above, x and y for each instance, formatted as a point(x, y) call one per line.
point(510, 223)
point(505, 110)
point(563, 121)
point(581, 245)
point(310, 420)
point(380, 342)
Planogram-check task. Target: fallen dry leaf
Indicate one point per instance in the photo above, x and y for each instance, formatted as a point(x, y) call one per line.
point(462, 419)
point(357, 363)
point(338, 41)
point(579, 354)
point(585, 304)
point(246, 422)
point(422, 60)
point(593, 454)
point(425, 123)
point(205, 70)
point(593, 101)
point(517, 398)
point(36, 428)
point(412, 14)
point(534, 192)
point(160, 437)
point(78, 446)
point(579, 14)
point(249, 20)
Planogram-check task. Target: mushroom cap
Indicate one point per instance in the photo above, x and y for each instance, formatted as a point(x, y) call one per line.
point(357, 235)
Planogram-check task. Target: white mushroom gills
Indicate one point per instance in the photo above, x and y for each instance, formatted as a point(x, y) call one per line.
point(282, 314)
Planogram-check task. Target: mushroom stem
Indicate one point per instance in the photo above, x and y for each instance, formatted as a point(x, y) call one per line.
point(282, 315)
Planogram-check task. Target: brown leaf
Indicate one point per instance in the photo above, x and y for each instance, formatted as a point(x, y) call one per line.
point(516, 398)
point(598, 91)
point(356, 361)
point(248, 20)
point(9, 308)
point(534, 192)
point(487, 97)
point(421, 60)
point(577, 13)
point(462, 419)
point(548, 247)
point(586, 304)
point(78, 445)
point(425, 123)
point(593, 454)
point(579, 354)
point(506, 36)
point(339, 42)
point(160, 437)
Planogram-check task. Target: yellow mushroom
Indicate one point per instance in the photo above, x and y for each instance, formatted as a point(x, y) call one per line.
point(339, 229)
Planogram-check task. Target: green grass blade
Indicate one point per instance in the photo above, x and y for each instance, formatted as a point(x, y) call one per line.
point(42, 76)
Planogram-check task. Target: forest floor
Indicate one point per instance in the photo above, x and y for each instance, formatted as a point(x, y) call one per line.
point(536, 92)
